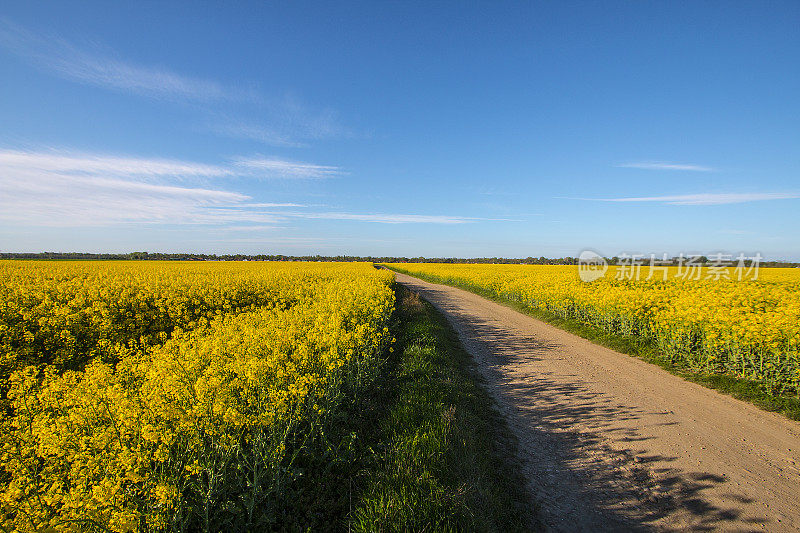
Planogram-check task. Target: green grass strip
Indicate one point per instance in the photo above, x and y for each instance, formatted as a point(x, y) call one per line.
point(744, 389)
point(444, 457)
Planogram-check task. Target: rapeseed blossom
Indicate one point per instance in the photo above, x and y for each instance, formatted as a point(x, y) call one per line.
point(748, 328)
point(160, 392)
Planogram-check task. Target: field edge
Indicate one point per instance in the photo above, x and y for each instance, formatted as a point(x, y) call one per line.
point(742, 389)
point(445, 458)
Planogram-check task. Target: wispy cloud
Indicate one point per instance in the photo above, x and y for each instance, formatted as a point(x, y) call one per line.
point(388, 218)
point(261, 134)
point(291, 125)
point(68, 188)
point(61, 188)
point(92, 66)
point(663, 165)
point(287, 169)
point(704, 198)
point(283, 121)
point(83, 190)
point(312, 124)
point(66, 162)
point(90, 201)
point(272, 204)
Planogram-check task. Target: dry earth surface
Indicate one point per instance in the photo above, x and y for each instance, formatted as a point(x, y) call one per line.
point(611, 443)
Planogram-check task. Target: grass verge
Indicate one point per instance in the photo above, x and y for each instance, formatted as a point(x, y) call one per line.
point(443, 458)
point(743, 389)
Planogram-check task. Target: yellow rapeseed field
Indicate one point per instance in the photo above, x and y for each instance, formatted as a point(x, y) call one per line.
point(161, 396)
point(716, 323)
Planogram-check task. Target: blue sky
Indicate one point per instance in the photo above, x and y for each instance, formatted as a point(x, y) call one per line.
point(436, 129)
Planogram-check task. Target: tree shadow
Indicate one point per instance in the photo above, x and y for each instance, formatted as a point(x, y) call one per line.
point(587, 460)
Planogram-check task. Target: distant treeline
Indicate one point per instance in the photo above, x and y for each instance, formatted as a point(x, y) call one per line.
point(155, 256)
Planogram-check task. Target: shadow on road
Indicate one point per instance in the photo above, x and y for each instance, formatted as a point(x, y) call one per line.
point(586, 458)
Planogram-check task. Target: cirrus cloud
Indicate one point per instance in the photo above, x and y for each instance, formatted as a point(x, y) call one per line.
point(663, 165)
point(271, 166)
point(92, 66)
point(62, 188)
point(702, 198)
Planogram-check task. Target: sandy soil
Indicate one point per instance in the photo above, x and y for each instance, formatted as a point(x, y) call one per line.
point(611, 443)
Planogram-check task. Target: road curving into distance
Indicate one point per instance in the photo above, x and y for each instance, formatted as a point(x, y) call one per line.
point(611, 443)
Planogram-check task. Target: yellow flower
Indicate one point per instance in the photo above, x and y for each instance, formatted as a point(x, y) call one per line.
point(154, 373)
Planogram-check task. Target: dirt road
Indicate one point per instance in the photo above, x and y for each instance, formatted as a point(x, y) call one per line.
point(611, 443)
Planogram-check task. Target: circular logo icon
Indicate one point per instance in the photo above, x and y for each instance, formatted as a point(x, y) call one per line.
point(591, 266)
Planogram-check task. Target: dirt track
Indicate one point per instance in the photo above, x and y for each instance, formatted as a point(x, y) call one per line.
point(611, 443)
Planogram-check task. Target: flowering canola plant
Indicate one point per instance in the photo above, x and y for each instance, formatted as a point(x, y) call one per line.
point(748, 328)
point(175, 405)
